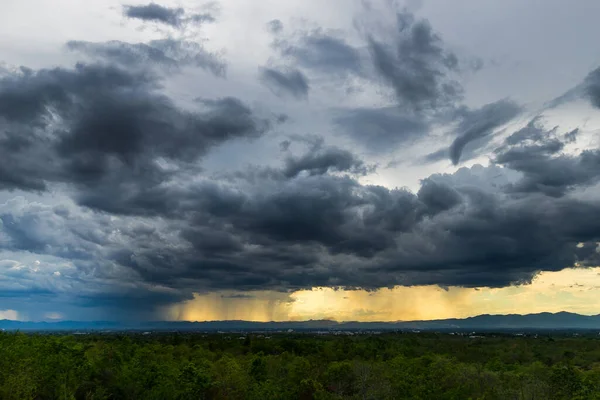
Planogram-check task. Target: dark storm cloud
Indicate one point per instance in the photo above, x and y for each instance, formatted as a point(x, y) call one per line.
point(108, 139)
point(141, 300)
point(437, 196)
point(106, 130)
point(88, 249)
point(476, 124)
point(304, 230)
point(443, 235)
point(174, 17)
point(320, 51)
point(380, 129)
point(417, 65)
point(285, 82)
point(165, 53)
point(553, 175)
point(294, 227)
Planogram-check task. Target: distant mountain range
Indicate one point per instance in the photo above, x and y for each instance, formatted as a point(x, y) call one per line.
point(541, 321)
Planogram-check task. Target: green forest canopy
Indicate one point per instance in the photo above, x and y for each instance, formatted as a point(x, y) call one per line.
point(299, 366)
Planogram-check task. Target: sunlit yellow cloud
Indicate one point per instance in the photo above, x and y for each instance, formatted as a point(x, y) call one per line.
point(575, 290)
point(251, 306)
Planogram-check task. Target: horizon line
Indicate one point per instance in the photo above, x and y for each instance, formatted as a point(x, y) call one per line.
point(301, 321)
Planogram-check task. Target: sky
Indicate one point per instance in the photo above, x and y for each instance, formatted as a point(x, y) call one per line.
point(372, 160)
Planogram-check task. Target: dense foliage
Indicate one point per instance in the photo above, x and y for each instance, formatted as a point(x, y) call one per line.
point(303, 366)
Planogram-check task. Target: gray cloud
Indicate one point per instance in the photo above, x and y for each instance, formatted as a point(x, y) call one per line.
point(321, 52)
point(471, 150)
point(291, 82)
point(170, 54)
point(438, 196)
point(435, 156)
point(238, 296)
point(380, 129)
point(174, 17)
point(275, 26)
point(537, 154)
point(323, 160)
point(416, 63)
point(592, 87)
point(473, 131)
point(417, 66)
point(476, 124)
point(155, 13)
point(589, 89)
point(106, 130)
point(324, 230)
point(283, 229)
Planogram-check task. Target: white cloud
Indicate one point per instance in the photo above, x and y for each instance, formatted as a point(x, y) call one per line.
point(9, 314)
point(53, 315)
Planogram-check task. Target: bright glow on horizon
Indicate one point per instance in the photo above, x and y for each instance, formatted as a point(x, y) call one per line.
point(574, 290)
